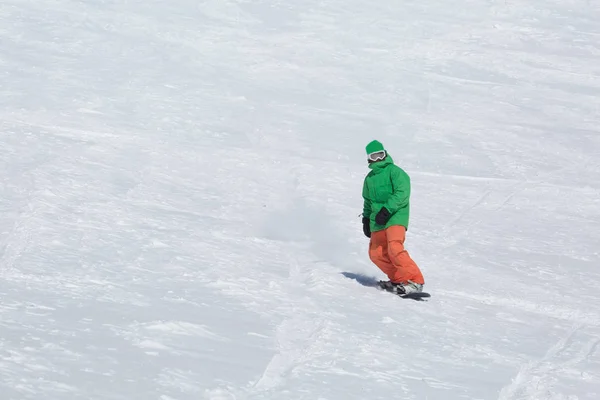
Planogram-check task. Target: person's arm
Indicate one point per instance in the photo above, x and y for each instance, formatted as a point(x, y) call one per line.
point(367, 201)
point(401, 190)
point(366, 219)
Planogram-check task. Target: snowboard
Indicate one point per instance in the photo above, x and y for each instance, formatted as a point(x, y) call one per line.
point(418, 296)
point(373, 283)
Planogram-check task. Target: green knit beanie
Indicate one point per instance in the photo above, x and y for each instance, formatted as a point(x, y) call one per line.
point(374, 146)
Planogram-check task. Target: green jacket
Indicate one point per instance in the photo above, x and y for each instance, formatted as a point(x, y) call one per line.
point(386, 185)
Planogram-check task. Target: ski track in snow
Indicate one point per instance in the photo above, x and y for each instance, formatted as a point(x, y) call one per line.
point(536, 378)
point(572, 315)
point(294, 338)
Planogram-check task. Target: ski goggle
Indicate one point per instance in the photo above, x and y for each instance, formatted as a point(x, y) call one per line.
point(377, 156)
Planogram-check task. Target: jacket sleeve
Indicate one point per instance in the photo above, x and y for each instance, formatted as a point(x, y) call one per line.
point(401, 190)
point(367, 201)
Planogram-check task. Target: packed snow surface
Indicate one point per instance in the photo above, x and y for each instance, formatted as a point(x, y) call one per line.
point(181, 184)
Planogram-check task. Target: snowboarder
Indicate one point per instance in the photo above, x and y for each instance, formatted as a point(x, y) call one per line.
point(386, 193)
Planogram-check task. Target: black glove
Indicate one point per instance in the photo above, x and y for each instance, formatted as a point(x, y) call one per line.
point(383, 216)
point(367, 227)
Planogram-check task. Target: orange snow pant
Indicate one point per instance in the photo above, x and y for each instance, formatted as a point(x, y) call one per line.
point(387, 251)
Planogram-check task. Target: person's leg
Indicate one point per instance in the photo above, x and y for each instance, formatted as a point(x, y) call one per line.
point(378, 253)
point(406, 270)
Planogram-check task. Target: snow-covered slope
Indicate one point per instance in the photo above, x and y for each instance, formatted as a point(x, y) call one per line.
point(180, 186)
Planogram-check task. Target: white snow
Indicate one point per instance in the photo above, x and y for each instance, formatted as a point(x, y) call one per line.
point(181, 180)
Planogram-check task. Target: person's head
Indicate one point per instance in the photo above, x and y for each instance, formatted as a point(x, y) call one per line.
point(375, 152)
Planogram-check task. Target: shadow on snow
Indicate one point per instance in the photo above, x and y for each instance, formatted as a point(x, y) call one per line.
point(362, 279)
